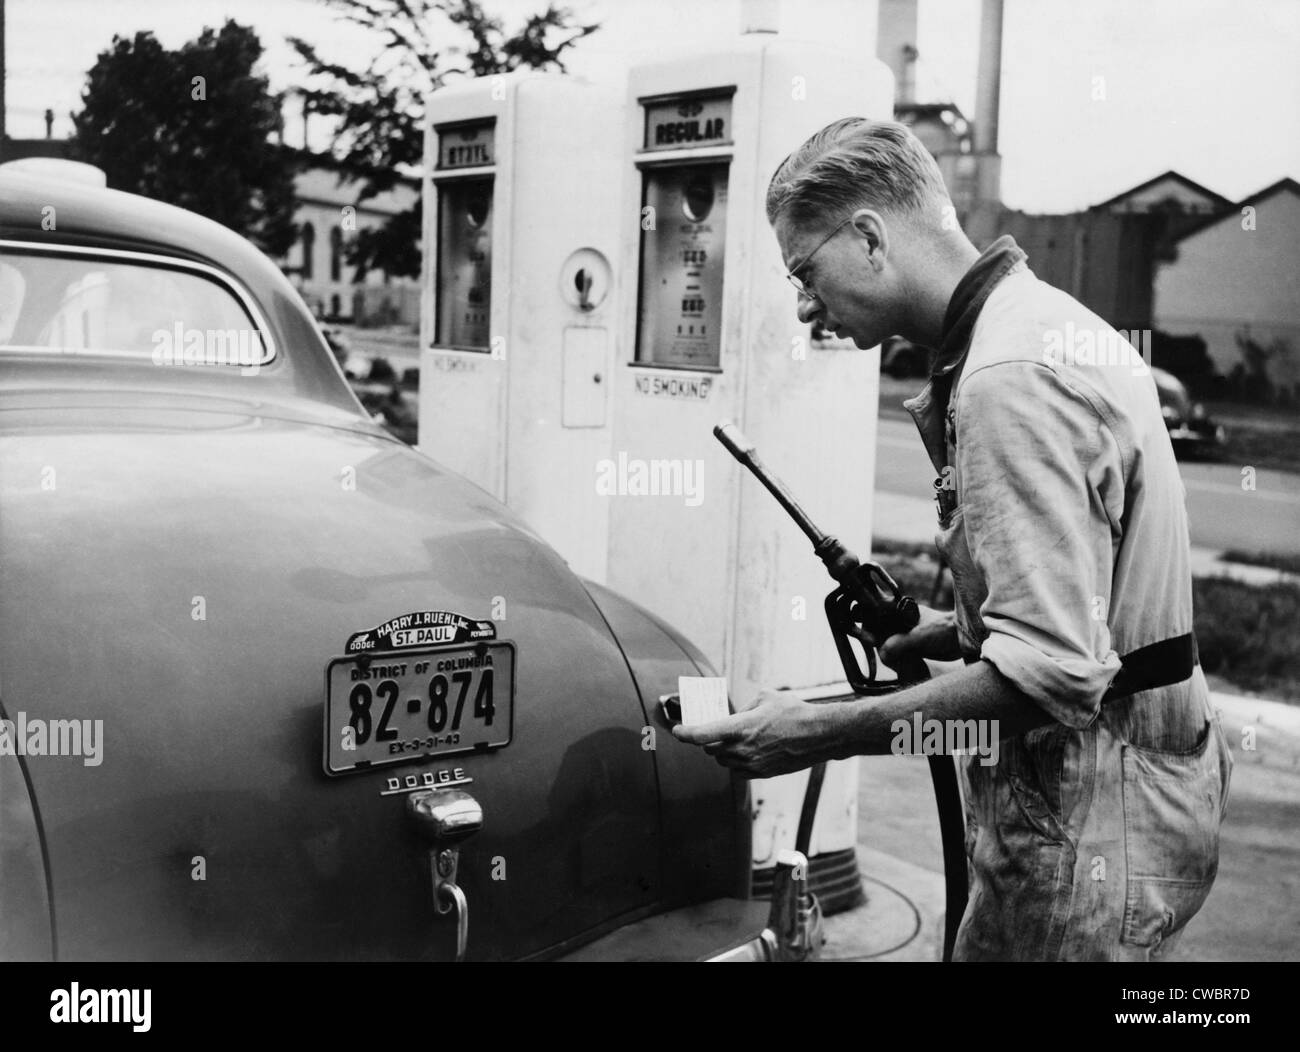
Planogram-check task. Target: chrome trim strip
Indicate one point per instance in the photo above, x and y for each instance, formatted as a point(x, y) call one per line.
point(683, 156)
point(444, 175)
point(426, 780)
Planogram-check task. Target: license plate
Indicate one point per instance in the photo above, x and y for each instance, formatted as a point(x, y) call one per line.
point(384, 709)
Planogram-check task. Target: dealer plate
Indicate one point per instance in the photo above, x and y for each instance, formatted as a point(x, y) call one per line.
point(388, 708)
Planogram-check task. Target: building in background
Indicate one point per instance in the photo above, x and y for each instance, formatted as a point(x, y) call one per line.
point(1171, 193)
point(20, 149)
point(328, 216)
point(1232, 281)
point(944, 130)
point(1216, 280)
point(966, 152)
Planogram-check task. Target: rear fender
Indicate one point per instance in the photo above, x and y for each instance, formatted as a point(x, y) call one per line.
point(706, 813)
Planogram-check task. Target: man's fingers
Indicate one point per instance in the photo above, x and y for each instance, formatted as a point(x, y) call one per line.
point(714, 732)
point(896, 647)
point(728, 757)
point(732, 763)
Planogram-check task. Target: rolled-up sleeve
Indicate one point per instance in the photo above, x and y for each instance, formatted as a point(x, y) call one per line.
point(1031, 450)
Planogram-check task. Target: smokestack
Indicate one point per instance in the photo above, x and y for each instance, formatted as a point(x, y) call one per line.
point(989, 84)
point(988, 165)
point(2, 77)
point(760, 16)
point(896, 45)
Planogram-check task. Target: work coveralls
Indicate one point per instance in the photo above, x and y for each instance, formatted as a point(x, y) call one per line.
point(1062, 519)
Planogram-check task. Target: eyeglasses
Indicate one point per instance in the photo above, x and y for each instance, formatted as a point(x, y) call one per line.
point(805, 287)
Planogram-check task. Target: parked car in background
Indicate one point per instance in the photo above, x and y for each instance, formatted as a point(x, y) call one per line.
point(902, 359)
point(1191, 430)
point(278, 686)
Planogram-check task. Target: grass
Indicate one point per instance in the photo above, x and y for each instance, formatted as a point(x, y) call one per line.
point(1261, 447)
point(915, 567)
point(1248, 635)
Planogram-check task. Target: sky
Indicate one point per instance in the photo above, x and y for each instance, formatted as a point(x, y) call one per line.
point(1210, 88)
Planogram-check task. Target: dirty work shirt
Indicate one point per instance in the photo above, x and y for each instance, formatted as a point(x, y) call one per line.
point(1095, 837)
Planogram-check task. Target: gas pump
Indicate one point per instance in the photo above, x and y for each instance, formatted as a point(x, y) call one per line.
point(603, 288)
point(517, 346)
point(712, 333)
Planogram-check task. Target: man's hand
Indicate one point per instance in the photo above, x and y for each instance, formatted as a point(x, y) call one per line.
point(934, 637)
point(777, 734)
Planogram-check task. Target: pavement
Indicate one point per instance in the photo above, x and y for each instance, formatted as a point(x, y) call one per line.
point(901, 920)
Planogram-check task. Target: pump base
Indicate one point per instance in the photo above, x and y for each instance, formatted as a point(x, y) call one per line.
point(833, 877)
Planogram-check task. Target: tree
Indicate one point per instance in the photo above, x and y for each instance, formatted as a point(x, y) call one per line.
point(194, 127)
point(379, 110)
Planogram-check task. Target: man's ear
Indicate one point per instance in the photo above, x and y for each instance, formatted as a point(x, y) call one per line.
point(870, 227)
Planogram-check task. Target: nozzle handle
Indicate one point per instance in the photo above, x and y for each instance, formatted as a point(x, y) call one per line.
point(734, 439)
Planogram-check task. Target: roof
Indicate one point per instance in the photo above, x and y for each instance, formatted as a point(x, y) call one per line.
point(95, 217)
point(1234, 211)
point(1177, 177)
point(334, 187)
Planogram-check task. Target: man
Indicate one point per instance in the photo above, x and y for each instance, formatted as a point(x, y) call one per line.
point(1095, 835)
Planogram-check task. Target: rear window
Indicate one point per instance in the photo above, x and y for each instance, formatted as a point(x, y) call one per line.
point(120, 307)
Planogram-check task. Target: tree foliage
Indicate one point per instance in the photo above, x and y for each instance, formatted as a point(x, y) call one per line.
point(208, 145)
point(378, 110)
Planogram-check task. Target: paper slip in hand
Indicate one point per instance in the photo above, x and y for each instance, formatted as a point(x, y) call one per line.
point(703, 699)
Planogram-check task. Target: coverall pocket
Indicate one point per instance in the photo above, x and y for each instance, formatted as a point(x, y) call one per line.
point(1034, 766)
point(1173, 804)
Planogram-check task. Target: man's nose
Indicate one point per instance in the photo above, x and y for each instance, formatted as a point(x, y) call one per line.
point(808, 307)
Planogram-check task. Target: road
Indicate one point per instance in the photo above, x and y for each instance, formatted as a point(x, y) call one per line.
point(1220, 513)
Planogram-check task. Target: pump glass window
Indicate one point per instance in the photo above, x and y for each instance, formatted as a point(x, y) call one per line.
point(464, 263)
point(684, 228)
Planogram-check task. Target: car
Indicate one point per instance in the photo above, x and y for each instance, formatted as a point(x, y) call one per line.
point(1191, 430)
point(277, 686)
point(903, 360)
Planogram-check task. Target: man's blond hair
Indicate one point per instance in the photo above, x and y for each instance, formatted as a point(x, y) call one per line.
point(857, 163)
